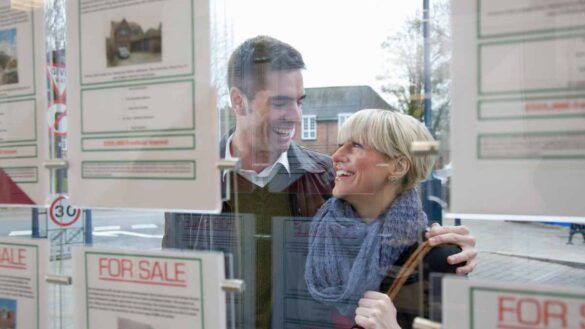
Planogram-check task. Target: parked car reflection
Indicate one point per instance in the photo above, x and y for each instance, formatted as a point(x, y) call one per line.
point(122, 53)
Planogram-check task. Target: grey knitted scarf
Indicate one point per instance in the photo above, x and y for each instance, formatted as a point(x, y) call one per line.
point(348, 257)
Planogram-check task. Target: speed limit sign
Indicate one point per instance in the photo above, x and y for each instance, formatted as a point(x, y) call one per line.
point(62, 213)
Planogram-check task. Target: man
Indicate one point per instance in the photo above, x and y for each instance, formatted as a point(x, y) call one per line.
point(277, 177)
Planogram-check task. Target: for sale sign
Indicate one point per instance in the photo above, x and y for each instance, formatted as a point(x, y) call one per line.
point(479, 304)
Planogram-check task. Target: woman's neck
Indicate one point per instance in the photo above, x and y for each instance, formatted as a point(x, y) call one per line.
point(369, 207)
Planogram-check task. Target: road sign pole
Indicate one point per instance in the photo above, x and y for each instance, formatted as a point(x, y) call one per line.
point(87, 226)
point(35, 223)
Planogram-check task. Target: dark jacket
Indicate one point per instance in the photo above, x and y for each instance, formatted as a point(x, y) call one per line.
point(309, 184)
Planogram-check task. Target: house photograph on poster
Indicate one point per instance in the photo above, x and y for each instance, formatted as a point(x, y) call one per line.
point(133, 41)
point(8, 58)
point(7, 313)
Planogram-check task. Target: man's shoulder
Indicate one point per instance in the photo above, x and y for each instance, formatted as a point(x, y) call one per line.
point(319, 157)
point(311, 159)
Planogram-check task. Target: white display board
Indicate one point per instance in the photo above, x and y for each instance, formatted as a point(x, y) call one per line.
point(472, 304)
point(518, 129)
point(142, 113)
point(23, 105)
point(155, 290)
point(23, 290)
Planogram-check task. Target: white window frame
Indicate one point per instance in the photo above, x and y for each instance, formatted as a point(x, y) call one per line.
point(341, 117)
point(309, 127)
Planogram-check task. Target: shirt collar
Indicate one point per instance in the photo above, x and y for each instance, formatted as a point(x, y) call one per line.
point(262, 178)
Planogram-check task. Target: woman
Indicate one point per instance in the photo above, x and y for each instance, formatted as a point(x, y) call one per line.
point(373, 218)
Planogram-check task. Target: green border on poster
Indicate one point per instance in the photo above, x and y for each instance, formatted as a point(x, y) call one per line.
point(83, 149)
point(530, 117)
point(20, 157)
point(191, 73)
point(35, 137)
point(37, 276)
point(472, 290)
point(24, 167)
point(194, 259)
point(522, 91)
point(539, 133)
point(521, 33)
point(146, 130)
point(194, 177)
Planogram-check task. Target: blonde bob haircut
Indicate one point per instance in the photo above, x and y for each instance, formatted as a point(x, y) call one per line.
point(390, 133)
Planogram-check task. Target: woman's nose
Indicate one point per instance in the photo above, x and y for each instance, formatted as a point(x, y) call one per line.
point(340, 155)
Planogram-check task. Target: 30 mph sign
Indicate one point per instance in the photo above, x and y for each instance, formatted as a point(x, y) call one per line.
point(62, 213)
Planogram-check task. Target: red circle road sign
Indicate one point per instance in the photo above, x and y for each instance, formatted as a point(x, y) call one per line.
point(62, 213)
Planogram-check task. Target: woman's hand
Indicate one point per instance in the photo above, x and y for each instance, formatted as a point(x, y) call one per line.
point(460, 236)
point(376, 311)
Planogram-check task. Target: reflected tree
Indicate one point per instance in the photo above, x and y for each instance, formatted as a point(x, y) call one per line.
point(402, 82)
point(55, 25)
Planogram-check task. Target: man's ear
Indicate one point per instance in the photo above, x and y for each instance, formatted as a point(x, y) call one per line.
point(239, 101)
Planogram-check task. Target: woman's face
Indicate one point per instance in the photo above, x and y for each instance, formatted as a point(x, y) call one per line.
point(361, 172)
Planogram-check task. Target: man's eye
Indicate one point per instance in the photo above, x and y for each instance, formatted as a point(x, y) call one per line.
point(278, 103)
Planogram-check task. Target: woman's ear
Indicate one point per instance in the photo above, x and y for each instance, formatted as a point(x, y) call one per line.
point(401, 167)
point(239, 101)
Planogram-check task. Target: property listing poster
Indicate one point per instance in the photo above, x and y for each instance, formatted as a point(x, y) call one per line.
point(148, 290)
point(479, 304)
point(23, 129)
point(145, 132)
point(518, 122)
point(23, 297)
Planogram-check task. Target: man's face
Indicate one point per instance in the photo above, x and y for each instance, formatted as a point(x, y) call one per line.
point(275, 112)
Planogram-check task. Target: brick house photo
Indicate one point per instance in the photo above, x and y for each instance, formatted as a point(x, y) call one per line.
point(128, 43)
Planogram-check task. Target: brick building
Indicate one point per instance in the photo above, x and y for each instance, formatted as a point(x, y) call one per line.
point(326, 108)
point(131, 36)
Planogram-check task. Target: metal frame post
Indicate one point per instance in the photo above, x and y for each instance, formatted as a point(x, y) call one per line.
point(431, 186)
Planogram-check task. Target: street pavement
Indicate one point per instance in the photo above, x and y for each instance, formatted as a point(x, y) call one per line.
point(527, 252)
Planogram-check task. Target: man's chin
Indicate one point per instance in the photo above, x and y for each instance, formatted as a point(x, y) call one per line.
point(282, 146)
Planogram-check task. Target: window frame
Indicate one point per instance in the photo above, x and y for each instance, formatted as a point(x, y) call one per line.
point(342, 117)
point(308, 132)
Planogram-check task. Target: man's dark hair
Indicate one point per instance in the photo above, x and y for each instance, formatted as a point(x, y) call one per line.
point(249, 63)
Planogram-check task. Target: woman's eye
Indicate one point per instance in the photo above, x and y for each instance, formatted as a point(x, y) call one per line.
point(357, 145)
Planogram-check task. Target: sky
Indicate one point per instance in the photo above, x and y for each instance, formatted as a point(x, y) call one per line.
point(8, 303)
point(339, 39)
point(8, 42)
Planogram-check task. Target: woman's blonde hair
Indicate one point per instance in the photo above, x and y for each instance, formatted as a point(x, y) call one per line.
point(390, 133)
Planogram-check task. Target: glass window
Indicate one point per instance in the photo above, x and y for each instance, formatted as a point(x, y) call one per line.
point(341, 117)
point(515, 123)
point(309, 127)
